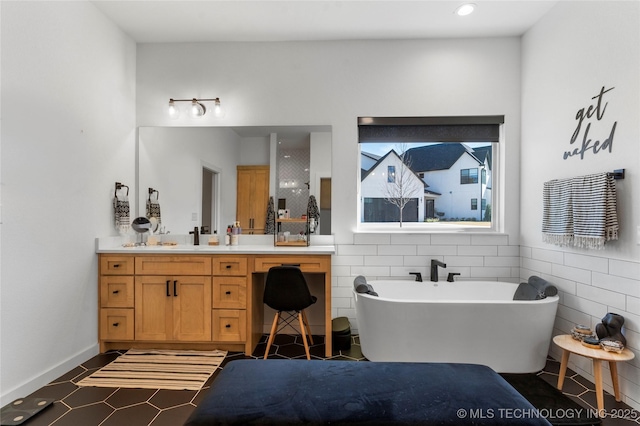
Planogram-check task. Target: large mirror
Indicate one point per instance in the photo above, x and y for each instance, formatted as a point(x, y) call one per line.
point(190, 173)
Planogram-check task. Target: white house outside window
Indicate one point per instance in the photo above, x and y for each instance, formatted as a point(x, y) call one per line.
point(438, 168)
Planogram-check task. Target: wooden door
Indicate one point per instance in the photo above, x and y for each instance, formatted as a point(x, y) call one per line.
point(252, 198)
point(192, 308)
point(153, 308)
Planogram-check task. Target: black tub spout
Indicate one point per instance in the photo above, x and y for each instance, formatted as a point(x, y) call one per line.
point(434, 269)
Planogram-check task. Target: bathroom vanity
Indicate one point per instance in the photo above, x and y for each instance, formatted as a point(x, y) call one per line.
point(196, 297)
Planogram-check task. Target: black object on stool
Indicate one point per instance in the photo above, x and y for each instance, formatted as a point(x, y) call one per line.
point(341, 333)
point(287, 292)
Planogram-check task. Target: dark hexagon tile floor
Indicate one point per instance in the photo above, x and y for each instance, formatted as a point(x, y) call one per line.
point(89, 406)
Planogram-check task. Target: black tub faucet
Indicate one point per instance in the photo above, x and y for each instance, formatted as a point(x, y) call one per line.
point(434, 269)
point(451, 275)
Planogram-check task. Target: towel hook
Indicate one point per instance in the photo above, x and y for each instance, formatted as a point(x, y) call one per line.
point(151, 191)
point(119, 186)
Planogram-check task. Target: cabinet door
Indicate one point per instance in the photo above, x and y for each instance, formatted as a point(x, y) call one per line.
point(252, 198)
point(153, 308)
point(191, 308)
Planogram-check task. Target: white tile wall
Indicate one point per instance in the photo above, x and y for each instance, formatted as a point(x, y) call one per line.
point(590, 285)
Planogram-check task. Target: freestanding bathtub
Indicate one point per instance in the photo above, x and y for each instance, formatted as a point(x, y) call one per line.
point(473, 322)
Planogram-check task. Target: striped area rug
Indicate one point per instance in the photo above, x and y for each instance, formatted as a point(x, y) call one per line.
point(157, 369)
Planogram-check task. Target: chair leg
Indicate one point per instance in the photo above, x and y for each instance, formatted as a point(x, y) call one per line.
point(306, 323)
point(272, 335)
point(304, 337)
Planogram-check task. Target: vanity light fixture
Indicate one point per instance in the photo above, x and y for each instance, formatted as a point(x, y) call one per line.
point(465, 9)
point(196, 109)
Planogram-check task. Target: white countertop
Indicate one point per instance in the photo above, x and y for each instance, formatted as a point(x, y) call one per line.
point(259, 244)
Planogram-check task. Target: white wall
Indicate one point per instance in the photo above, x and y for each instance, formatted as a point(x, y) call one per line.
point(567, 58)
point(68, 134)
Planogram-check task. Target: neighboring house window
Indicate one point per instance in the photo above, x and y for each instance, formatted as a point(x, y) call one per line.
point(468, 176)
point(428, 172)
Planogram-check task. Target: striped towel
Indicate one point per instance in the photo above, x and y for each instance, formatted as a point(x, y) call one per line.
point(121, 212)
point(153, 210)
point(580, 211)
point(557, 215)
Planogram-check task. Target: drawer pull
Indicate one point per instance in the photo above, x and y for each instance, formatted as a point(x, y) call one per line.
point(291, 264)
point(168, 294)
point(228, 326)
point(175, 288)
point(115, 324)
point(227, 292)
point(116, 291)
point(116, 265)
point(228, 266)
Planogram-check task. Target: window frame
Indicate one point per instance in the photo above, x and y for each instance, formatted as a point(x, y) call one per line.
point(466, 123)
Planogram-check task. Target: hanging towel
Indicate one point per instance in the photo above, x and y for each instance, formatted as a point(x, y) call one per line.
point(595, 218)
point(312, 209)
point(580, 211)
point(153, 209)
point(557, 215)
point(121, 211)
point(269, 226)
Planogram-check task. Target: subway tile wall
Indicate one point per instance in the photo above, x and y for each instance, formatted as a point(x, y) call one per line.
point(590, 285)
point(394, 256)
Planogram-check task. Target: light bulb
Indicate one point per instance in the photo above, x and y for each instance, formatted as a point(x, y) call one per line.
point(174, 112)
point(197, 109)
point(217, 109)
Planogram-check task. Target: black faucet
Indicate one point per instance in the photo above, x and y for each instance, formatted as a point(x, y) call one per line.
point(196, 236)
point(418, 275)
point(434, 269)
point(451, 275)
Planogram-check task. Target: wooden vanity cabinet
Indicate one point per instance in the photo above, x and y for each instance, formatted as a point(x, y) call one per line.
point(162, 301)
point(194, 301)
point(229, 314)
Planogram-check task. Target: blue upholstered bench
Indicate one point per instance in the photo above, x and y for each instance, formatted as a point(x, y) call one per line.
point(288, 392)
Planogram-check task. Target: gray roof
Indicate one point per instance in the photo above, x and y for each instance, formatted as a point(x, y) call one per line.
point(443, 156)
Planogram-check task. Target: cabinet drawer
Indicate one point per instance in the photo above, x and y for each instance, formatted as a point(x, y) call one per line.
point(116, 265)
point(116, 324)
point(305, 263)
point(229, 292)
point(116, 291)
point(173, 265)
point(228, 265)
point(229, 325)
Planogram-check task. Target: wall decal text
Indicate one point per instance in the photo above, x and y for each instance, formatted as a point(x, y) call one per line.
point(592, 114)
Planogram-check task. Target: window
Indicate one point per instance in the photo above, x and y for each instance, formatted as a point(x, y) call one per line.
point(391, 174)
point(468, 176)
point(428, 172)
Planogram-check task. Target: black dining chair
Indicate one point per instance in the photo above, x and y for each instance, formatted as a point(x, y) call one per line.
point(286, 292)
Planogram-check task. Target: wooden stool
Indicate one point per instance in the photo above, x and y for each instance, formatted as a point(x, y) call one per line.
point(569, 345)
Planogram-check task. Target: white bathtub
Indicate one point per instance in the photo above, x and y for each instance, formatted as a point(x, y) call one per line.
point(465, 321)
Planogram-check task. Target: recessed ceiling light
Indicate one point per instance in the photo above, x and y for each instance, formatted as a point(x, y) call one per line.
point(465, 9)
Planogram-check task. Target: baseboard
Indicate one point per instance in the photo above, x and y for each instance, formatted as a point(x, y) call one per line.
point(46, 377)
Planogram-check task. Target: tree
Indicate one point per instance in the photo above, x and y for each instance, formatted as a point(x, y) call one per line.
point(402, 185)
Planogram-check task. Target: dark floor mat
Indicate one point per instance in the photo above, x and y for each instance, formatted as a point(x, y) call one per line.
point(557, 408)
